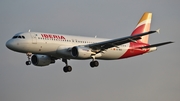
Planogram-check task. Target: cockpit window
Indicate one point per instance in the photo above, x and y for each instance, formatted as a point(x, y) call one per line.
point(14, 37)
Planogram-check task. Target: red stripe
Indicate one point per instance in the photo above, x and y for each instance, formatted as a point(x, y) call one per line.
point(133, 50)
point(139, 30)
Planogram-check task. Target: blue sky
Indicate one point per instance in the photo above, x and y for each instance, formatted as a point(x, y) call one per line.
point(150, 77)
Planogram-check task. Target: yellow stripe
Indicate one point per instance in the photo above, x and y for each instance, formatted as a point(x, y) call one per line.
point(145, 17)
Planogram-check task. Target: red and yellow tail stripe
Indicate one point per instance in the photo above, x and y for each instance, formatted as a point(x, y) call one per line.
point(143, 26)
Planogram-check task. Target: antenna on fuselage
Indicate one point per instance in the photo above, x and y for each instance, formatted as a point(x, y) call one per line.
point(29, 30)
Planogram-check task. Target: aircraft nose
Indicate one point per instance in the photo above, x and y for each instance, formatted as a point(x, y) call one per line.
point(9, 44)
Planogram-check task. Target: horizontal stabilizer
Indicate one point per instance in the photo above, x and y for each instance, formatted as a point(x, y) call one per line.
point(156, 45)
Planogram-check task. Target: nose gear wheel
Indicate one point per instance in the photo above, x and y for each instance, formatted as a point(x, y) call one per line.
point(29, 58)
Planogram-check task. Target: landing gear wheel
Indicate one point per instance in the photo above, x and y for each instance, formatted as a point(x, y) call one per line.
point(94, 63)
point(29, 58)
point(28, 62)
point(67, 69)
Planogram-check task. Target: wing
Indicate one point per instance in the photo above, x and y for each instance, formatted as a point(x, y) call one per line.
point(101, 46)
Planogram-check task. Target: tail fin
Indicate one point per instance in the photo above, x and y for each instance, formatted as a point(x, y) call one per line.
point(143, 26)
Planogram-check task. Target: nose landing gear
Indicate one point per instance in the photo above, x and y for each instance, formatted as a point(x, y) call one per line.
point(29, 58)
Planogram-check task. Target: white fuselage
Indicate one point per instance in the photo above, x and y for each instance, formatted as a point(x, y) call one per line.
point(58, 45)
point(43, 49)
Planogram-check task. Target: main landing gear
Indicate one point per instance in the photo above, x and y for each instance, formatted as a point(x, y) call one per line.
point(67, 68)
point(94, 63)
point(29, 58)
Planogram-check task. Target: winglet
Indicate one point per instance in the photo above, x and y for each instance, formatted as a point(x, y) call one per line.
point(158, 31)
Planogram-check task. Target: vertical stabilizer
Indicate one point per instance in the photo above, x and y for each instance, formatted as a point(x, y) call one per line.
point(143, 26)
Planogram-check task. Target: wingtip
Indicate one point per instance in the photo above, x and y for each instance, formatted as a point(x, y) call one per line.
point(158, 31)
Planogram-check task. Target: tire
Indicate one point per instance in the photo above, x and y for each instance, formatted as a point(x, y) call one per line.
point(28, 62)
point(67, 69)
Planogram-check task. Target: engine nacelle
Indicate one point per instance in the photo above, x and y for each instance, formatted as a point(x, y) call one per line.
point(41, 60)
point(81, 52)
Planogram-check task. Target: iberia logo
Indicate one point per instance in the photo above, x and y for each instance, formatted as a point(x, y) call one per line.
point(52, 36)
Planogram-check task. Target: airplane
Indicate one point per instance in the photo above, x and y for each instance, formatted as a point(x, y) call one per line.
point(43, 49)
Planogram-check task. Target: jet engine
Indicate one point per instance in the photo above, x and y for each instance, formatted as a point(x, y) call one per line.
point(41, 60)
point(81, 52)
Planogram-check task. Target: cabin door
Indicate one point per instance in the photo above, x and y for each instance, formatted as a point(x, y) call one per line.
point(34, 38)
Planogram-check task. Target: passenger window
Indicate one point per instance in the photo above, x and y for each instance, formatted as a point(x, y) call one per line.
point(23, 37)
point(19, 36)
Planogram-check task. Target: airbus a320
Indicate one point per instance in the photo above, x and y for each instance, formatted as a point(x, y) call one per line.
point(43, 49)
